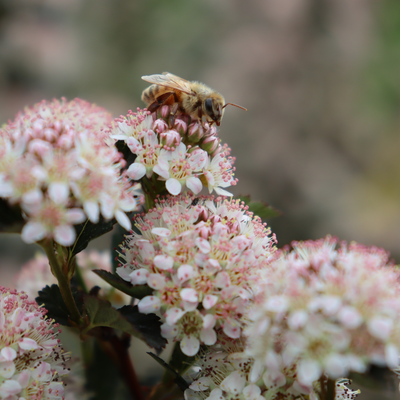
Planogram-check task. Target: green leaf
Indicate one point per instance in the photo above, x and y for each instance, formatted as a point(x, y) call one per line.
point(50, 298)
point(116, 281)
point(100, 313)
point(183, 385)
point(148, 325)
point(262, 210)
point(87, 231)
point(11, 220)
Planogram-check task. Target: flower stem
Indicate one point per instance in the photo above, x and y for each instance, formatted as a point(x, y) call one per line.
point(331, 390)
point(118, 352)
point(63, 280)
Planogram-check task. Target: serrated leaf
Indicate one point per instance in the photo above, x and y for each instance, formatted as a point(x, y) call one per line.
point(116, 281)
point(101, 314)
point(87, 231)
point(51, 299)
point(264, 211)
point(11, 220)
point(260, 209)
point(149, 325)
point(182, 384)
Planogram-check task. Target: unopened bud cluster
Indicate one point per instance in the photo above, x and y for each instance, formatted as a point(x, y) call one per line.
point(60, 166)
point(187, 154)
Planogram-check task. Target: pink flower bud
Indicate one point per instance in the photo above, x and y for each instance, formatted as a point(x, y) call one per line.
point(195, 132)
point(203, 216)
point(180, 126)
point(210, 144)
point(160, 126)
point(164, 110)
point(211, 132)
point(170, 138)
point(184, 117)
point(215, 219)
point(217, 151)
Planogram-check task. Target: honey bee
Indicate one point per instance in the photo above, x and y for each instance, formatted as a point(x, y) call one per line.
point(192, 98)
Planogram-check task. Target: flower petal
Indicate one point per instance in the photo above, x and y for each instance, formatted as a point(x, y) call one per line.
point(163, 232)
point(173, 315)
point(208, 336)
point(234, 383)
point(136, 171)
point(58, 192)
point(33, 231)
point(149, 304)
point(64, 235)
point(194, 184)
point(123, 220)
point(189, 295)
point(163, 262)
point(190, 345)
point(138, 276)
point(173, 186)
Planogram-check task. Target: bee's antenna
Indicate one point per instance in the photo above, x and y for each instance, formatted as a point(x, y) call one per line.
point(236, 105)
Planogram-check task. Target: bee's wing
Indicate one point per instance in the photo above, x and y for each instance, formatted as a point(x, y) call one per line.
point(171, 81)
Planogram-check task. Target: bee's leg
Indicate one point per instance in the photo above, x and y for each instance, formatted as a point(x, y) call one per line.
point(160, 100)
point(174, 109)
point(200, 114)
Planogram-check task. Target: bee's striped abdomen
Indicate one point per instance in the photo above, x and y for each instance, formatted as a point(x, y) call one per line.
point(150, 94)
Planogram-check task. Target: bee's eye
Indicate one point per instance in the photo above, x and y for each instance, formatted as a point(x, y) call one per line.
point(208, 106)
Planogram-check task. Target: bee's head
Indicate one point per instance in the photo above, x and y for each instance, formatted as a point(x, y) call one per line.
point(213, 107)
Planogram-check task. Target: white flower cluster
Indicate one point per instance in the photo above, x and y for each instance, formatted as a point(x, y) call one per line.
point(58, 163)
point(322, 311)
point(31, 359)
point(185, 155)
point(201, 260)
point(223, 372)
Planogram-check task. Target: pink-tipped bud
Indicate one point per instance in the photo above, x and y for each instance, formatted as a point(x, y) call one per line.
point(184, 117)
point(218, 150)
point(214, 219)
point(211, 132)
point(210, 144)
point(180, 126)
point(193, 149)
point(160, 126)
point(170, 138)
point(195, 132)
point(205, 232)
point(235, 228)
point(165, 110)
point(203, 215)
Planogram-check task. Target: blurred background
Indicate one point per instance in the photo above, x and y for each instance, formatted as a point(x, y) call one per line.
point(320, 79)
